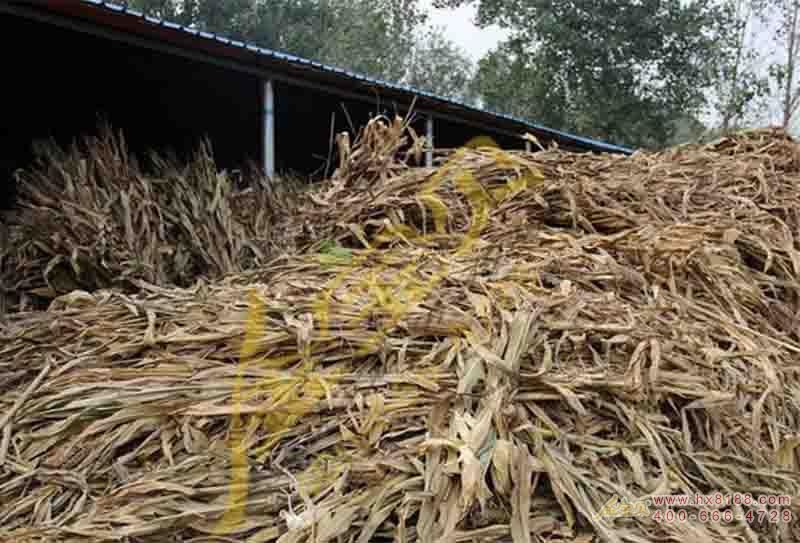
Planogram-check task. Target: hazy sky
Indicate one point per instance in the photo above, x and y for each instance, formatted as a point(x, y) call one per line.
point(459, 27)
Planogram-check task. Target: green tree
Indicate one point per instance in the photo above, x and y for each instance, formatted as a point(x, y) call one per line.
point(439, 66)
point(741, 89)
point(232, 17)
point(373, 37)
point(620, 70)
point(506, 81)
point(784, 71)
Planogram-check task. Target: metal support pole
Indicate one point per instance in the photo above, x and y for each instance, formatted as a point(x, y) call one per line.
point(429, 137)
point(268, 129)
point(527, 146)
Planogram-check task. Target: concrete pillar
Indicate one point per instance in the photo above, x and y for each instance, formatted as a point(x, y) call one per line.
point(268, 128)
point(429, 138)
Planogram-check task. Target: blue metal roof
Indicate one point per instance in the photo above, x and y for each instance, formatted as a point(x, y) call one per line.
point(339, 72)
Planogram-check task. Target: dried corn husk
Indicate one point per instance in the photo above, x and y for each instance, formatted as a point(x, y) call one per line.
point(612, 328)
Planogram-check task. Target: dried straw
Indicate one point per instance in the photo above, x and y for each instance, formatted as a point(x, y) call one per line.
point(616, 327)
point(90, 217)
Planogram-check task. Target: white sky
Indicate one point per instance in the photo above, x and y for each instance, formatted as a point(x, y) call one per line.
point(458, 26)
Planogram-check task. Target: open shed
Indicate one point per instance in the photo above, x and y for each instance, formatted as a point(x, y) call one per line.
point(70, 64)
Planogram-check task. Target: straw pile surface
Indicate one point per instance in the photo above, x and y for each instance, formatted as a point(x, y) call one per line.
point(487, 351)
point(90, 217)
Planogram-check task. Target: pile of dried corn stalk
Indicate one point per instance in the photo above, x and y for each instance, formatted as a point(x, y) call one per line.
point(486, 351)
point(90, 217)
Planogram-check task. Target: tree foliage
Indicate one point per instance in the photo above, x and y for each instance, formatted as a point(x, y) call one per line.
point(437, 65)
point(741, 86)
point(784, 70)
point(507, 81)
point(373, 37)
point(620, 70)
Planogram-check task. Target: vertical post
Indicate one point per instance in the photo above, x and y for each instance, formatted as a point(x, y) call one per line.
point(429, 138)
point(527, 146)
point(268, 128)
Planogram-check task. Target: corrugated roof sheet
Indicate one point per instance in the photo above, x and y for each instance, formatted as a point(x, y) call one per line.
point(354, 77)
